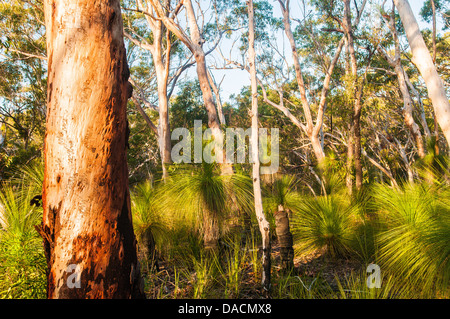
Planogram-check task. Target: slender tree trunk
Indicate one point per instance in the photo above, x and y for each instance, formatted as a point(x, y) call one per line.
point(211, 231)
point(408, 111)
point(164, 125)
point(357, 104)
point(312, 133)
point(422, 59)
point(218, 100)
point(436, 129)
point(87, 228)
point(285, 239)
point(433, 38)
point(196, 47)
point(161, 77)
point(264, 225)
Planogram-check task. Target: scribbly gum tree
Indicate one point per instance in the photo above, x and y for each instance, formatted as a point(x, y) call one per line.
point(87, 225)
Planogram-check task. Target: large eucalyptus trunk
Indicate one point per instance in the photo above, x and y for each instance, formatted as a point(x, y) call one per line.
point(422, 59)
point(88, 236)
point(264, 225)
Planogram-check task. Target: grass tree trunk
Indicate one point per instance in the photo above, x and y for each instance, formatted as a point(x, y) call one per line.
point(264, 226)
point(422, 59)
point(164, 125)
point(285, 239)
point(87, 228)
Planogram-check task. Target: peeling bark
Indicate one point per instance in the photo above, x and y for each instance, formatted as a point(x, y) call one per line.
point(87, 214)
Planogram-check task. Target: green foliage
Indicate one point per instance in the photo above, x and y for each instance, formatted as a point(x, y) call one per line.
point(282, 192)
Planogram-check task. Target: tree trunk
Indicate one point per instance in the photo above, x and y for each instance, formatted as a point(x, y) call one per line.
point(422, 59)
point(165, 142)
point(356, 118)
point(147, 246)
point(433, 37)
point(264, 225)
point(349, 164)
point(88, 236)
point(211, 231)
point(285, 239)
point(195, 45)
point(313, 134)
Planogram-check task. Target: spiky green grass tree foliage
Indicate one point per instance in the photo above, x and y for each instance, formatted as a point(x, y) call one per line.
point(22, 260)
point(203, 199)
point(415, 245)
point(325, 223)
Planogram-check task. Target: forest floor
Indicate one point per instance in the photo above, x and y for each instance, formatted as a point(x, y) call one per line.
point(172, 281)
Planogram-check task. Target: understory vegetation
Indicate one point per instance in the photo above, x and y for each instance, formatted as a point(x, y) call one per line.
point(405, 230)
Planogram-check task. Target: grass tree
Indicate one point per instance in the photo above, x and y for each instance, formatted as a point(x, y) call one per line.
point(422, 59)
point(413, 247)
